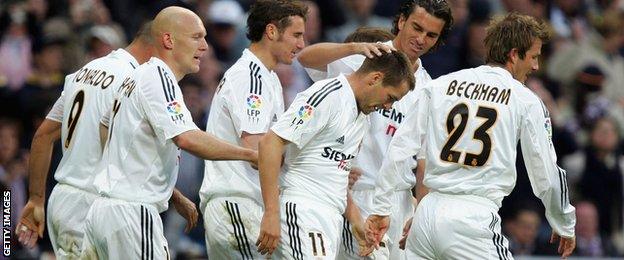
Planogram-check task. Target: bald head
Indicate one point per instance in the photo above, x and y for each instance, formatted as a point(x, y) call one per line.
point(179, 39)
point(172, 19)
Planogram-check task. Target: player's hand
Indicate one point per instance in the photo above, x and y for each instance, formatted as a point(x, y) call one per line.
point(372, 50)
point(406, 229)
point(376, 227)
point(566, 245)
point(31, 224)
point(269, 233)
point(354, 175)
point(187, 209)
point(366, 248)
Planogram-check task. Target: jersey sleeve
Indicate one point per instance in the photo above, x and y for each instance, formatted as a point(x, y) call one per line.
point(302, 121)
point(249, 102)
point(56, 113)
point(549, 182)
point(316, 75)
point(346, 65)
point(405, 143)
point(163, 104)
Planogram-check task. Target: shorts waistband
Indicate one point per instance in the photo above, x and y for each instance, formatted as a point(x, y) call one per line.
point(74, 188)
point(309, 200)
point(467, 197)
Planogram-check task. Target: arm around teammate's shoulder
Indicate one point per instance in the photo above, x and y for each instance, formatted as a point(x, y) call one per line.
point(319, 55)
point(208, 147)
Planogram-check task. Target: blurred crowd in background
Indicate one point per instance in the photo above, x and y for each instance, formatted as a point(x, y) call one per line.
point(581, 81)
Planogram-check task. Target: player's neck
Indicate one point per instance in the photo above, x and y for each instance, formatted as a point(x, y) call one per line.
point(356, 82)
point(263, 53)
point(140, 51)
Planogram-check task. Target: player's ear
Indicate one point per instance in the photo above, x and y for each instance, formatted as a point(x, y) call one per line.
point(271, 31)
point(513, 55)
point(167, 39)
point(376, 78)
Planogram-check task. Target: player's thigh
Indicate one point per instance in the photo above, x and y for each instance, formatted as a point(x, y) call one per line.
point(232, 228)
point(467, 230)
point(66, 212)
point(420, 240)
point(120, 230)
point(309, 231)
point(401, 212)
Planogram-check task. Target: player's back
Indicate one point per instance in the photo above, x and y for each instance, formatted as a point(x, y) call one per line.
point(140, 161)
point(87, 96)
point(474, 122)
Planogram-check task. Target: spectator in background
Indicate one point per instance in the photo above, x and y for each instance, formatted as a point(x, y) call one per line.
point(601, 175)
point(589, 242)
point(13, 164)
point(101, 40)
point(15, 46)
point(43, 85)
point(224, 19)
point(522, 231)
point(600, 49)
point(358, 13)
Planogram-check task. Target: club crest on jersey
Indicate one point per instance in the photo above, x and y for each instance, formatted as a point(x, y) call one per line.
point(254, 101)
point(305, 112)
point(174, 108)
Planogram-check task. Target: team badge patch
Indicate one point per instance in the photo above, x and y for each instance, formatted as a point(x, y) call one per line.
point(174, 108)
point(254, 101)
point(305, 112)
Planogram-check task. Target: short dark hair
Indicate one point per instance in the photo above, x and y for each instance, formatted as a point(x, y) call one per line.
point(395, 66)
point(438, 8)
point(369, 34)
point(513, 31)
point(145, 33)
point(277, 12)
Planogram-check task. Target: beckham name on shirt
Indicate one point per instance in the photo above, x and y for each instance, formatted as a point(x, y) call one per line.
point(478, 92)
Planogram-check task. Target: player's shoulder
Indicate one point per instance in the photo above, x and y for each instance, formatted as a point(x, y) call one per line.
point(327, 92)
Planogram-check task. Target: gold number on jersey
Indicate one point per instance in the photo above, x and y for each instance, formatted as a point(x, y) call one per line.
point(74, 115)
point(455, 132)
point(116, 106)
point(316, 252)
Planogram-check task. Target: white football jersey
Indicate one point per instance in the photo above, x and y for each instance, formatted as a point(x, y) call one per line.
point(140, 161)
point(383, 122)
point(325, 129)
point(471, 121)
point(248, 99)
point(86, 97)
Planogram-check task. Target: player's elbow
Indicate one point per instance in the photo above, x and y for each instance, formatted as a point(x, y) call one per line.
point(184, 141)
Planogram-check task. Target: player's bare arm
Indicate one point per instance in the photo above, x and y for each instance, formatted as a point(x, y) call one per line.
point(354, 216)
point(251, 141)
point(32, 221)
point(186, 208)
point(208, 147)
point(271, 149)
point(317, 56)
point(103, 135)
